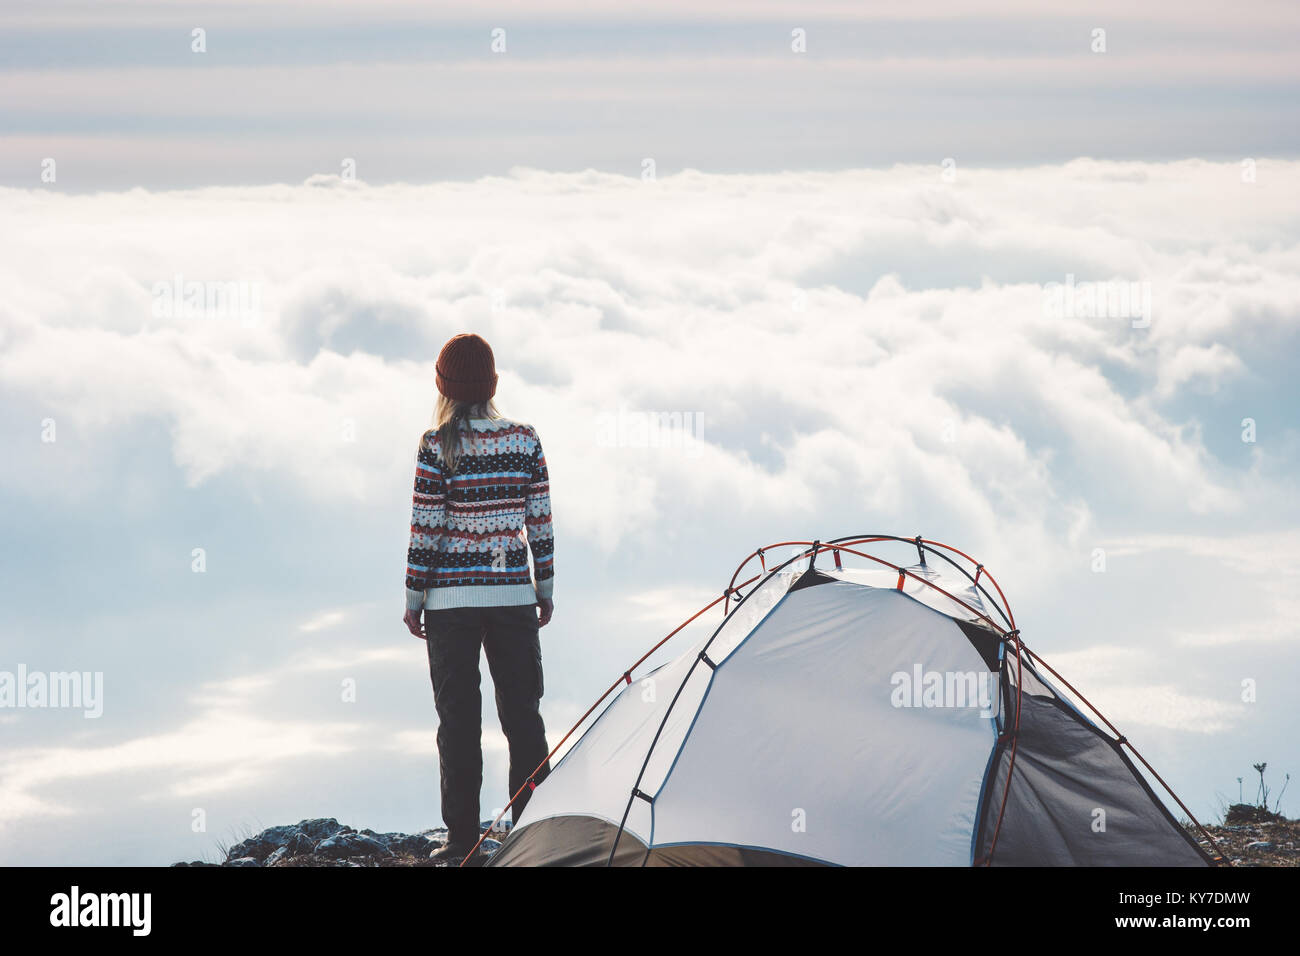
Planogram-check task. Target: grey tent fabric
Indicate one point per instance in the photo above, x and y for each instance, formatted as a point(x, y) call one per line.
point(586, 841)
point(1076, 799)
point(570, 841)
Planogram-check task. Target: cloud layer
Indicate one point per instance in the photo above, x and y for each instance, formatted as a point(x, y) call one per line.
point(867, 350)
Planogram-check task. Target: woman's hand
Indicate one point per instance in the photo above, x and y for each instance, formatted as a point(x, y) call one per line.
point(413, 623)
point(545, 608)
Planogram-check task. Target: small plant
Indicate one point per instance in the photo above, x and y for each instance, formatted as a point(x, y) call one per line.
point(1262, 793)
point(1260, 811)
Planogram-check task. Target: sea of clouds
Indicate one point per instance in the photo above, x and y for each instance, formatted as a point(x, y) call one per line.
point(238, 377)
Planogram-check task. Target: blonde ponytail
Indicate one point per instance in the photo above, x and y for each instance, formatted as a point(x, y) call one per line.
point(451, 419)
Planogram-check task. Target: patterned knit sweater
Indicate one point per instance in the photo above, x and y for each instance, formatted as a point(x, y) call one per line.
point(471, 531)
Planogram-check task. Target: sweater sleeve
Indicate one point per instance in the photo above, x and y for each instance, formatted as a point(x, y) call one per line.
point(537, 521)
point(428, 518)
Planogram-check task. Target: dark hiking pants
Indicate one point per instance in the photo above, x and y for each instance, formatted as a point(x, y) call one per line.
point(508, 636)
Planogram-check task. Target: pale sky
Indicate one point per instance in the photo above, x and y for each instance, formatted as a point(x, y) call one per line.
point(864, 330)
point(115, 93)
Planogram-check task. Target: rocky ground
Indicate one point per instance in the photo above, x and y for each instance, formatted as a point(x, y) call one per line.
point(326, 842)
point(1246, 838)
point(1250, 836)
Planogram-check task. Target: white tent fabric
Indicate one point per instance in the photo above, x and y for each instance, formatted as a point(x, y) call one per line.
point(835, 720)
point(802, 706)
point(597, 771)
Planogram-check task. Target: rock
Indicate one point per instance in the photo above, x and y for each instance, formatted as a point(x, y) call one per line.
point(417, 845)
point(279, 836)
point(324, 842)
point(301, 844)
point(321, 828)
point(351, 843)
point(273, 838)
point(251, 848)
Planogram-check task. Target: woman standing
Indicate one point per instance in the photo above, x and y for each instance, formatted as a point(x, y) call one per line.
point(482, 501)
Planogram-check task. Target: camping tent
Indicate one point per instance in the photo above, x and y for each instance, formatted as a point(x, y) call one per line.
point(853, 717)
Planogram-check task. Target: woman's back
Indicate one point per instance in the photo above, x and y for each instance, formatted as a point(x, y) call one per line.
point(472, 525)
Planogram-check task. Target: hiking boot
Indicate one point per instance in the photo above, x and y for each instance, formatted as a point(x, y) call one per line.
point(453, 854)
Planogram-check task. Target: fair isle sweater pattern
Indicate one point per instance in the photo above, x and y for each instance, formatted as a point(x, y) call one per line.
point(471, 531)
